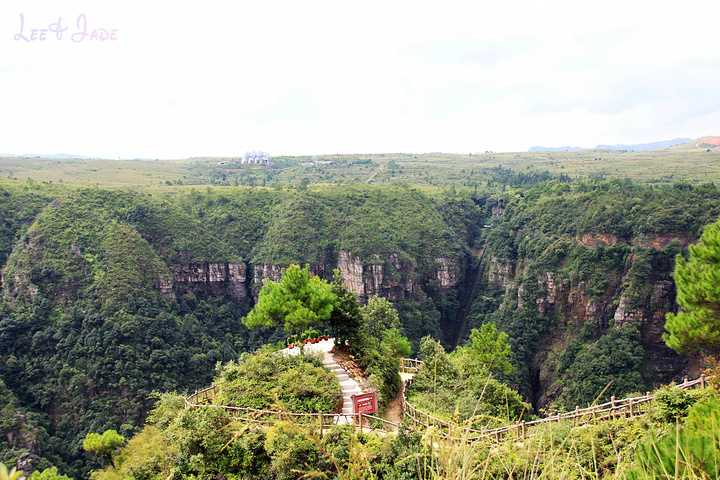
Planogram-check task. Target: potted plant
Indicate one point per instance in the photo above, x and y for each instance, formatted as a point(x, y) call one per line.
point(304, 338)
point(290, 342)
point(327, 334)
point(313, 336)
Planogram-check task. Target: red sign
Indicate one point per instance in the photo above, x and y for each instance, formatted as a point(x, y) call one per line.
point(365, 403)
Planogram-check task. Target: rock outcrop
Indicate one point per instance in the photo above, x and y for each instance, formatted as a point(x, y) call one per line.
point(447, 275)
point(221, 279)
point(628, 300)
point(500, 271)
point(391, 277)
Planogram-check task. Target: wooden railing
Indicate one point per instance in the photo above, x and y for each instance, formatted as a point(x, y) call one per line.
point(201, 396)
point(627, 407)
point(410, 365)
point(203, 399)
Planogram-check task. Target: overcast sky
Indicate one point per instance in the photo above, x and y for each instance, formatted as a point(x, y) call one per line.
point(314, 77)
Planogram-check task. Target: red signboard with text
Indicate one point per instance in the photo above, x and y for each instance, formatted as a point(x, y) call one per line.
point(365, 403)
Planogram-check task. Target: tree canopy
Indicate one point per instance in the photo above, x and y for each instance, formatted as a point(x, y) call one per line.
point(379, 315)
point(697, 326)
point(104, 445)
point(345, 320)
point(488, 348)
point(298, 300)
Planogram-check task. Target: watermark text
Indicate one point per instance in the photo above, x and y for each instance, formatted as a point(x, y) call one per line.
point(55, 31)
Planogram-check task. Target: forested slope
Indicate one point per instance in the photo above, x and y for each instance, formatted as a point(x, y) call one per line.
point(579, 276)
point(109, 295)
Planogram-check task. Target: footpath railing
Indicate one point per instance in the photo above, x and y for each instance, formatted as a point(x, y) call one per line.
point(624, 408)
point(410, 365)
point(203, 399)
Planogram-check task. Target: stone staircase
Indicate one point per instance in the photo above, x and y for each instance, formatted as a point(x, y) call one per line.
point(349, 386)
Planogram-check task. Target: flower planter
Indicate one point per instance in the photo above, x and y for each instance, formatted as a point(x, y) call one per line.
point(313, 340)
point(327, 337)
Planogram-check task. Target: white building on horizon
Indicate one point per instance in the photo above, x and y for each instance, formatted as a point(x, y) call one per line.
point(256, 157)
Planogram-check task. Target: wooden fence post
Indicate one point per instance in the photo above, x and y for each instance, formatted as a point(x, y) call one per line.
point(702, 381)
point(612, 407)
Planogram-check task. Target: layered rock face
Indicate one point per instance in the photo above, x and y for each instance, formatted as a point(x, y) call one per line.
point(637, 295)
point(388, 277)
point(500, 271)
point(221, 279)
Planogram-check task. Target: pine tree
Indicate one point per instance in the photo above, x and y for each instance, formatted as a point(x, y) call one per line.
point(298, 300)
point(697, 326)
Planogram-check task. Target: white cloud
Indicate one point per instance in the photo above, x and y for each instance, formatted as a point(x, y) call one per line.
point(327, 76)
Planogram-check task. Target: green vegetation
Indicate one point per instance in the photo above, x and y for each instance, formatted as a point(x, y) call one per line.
point(297, 301)
point(104, 446)
point(680, 163)
point(345, 319)
point(48, 474)
point(107, 294)
point(208, 443)
point(613, 366)
point(291, 383)
point(568, 264)
point(11, 474)
point(697, 327)
point(461, 389)
point(691, 450)
point(488, 350)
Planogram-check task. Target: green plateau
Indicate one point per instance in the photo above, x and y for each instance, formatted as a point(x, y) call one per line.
point(125, 283)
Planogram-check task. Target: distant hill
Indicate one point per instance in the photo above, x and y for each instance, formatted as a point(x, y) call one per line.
point(556, 149)
point(636, 146)
point(708, 142)
point(59, 156)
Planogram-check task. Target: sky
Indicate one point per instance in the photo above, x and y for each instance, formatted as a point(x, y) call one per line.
point(169, 80)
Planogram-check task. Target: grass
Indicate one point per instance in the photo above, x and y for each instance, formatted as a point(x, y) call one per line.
point(684, 162)
point(105, 173)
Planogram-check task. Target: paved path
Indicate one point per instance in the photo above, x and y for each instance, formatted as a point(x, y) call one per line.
point(349, 386)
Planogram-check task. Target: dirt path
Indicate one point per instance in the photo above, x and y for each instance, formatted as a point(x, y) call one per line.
point(394, 410)
point(374, 174)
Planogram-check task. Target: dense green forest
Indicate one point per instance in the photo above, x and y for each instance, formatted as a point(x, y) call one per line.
point(111, 297)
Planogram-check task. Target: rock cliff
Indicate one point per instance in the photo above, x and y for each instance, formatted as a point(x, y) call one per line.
point(220, 279)
point(638, 290)
point(391, 277)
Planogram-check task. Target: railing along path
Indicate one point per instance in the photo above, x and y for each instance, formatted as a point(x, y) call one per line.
point(627, 407)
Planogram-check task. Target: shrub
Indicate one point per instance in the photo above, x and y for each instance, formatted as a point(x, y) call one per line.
point(689, 451)
point(292, 451)
point(670, 404)
point(267, 380)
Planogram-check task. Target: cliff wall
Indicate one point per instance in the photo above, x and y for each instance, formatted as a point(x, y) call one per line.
point(577, 291)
